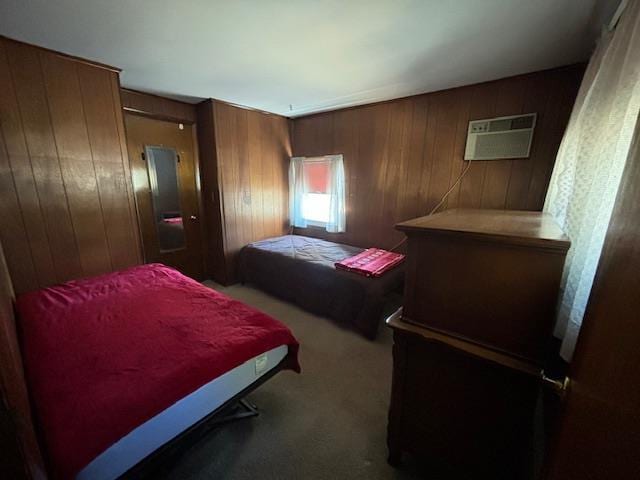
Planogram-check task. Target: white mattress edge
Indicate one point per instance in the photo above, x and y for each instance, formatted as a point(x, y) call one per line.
point(155, 432)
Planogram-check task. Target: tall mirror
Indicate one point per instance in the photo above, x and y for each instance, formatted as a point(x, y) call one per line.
point(165, 193)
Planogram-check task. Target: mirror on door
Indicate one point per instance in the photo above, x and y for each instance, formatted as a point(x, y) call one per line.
point(165, 194)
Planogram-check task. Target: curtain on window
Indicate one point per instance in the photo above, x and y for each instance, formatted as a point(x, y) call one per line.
point(335, 190)
point(297, 189)
point(590, 162)
point(314, 177)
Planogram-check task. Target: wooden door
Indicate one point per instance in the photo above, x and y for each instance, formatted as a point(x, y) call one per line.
point(598, 435)
point(165, 182)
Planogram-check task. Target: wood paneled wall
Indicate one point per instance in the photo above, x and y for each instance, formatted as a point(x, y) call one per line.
point(157, 107)
point(66, 201)
point(244, 156)
point(21, 456)
point(210, 188)
point(402, 156)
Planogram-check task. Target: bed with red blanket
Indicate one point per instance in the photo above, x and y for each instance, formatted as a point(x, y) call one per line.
point(107, 357)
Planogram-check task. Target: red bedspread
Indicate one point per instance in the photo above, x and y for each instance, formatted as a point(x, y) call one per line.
point(104, 355)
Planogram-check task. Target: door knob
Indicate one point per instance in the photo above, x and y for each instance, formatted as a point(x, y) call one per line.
point(193, 218)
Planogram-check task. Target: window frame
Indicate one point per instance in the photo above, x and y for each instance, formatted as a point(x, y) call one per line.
point(298, 206)
point(315, 223)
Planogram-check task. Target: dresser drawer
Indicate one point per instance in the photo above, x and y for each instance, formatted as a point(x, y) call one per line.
point(464, 413)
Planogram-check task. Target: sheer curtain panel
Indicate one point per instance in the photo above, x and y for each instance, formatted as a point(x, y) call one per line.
point(590, 162)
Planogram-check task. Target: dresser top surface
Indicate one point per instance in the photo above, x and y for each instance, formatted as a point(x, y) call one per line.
point(502, 225)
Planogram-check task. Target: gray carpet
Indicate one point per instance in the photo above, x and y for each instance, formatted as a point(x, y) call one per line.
point(327, 423)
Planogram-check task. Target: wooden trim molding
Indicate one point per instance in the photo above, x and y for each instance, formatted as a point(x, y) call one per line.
point(157, 107)
point(246, 107)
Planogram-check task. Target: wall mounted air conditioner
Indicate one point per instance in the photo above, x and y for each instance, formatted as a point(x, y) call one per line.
point(501, 137)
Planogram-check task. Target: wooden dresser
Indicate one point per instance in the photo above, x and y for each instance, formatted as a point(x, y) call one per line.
point(480, 296)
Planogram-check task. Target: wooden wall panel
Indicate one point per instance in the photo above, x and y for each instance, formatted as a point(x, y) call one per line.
point(21, 456)
point(244, 163)
point(41, 147)
point(28, 229)
point(211, 206)
point(13, 229)
point(252, 150)
point(158, 107)
point(68, 200)
point(112, 176)
point(75, 157)
point(402, 156)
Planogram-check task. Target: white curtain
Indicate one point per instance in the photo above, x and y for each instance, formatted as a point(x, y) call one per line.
point(335, 191)
point(590, 162)
point(296, 192)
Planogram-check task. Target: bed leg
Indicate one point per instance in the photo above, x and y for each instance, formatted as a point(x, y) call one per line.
point(251, 409)
point(242, 409)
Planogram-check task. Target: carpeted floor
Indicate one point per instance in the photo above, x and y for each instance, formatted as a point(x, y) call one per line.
point(327, 423)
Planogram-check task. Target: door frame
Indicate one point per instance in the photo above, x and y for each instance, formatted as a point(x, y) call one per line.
point(196, 165)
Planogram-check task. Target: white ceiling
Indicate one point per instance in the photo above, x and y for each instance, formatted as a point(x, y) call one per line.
point(297, 57)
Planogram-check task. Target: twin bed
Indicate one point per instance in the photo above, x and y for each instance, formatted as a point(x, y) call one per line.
point(302, 270)
point(121, 364)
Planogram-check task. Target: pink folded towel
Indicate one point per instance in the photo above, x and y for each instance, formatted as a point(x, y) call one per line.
point(373, 262)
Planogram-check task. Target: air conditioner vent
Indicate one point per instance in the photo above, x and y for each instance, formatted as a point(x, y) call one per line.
point(500, 138)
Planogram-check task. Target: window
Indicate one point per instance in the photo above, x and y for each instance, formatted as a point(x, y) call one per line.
point(317, 192)
point(315, 199)
point(315, 208)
